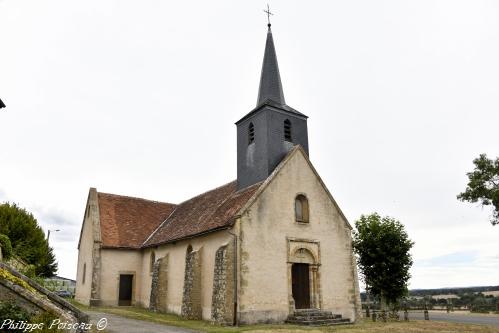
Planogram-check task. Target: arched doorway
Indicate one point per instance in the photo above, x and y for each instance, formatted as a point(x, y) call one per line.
point(303, 273)
point(300, 285)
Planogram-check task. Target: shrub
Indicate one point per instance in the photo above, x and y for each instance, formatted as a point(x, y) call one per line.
point(29, 271)
point(6, 246)
point(45, 318)
point(9, 310)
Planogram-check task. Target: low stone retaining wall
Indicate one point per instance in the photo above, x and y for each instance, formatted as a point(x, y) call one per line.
point(33, 298)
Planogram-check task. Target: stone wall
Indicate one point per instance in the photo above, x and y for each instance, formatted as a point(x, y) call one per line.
point(159, 286)
point(153, 299)
point(115, 262)
point(222, 304)
point(89, 252)
point(191, 299)
point(35, 299)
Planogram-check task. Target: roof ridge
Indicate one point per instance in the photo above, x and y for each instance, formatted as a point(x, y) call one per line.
point(159, 226)
point(136, 198)
point(181, 203)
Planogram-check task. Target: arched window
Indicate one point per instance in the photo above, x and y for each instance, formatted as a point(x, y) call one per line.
point(287, 130)
point(84, 273)
point(153, 260)
point(189, 249)
point(301, 208)
point(251, 133)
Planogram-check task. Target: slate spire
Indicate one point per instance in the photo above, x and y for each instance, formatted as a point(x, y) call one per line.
point(270, 80)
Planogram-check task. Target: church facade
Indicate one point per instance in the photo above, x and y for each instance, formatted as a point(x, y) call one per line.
point(254, 250)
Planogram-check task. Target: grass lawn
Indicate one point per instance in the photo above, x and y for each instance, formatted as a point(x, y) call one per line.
point(366, 326)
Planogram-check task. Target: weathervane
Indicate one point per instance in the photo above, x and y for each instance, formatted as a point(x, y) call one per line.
point(268, 15)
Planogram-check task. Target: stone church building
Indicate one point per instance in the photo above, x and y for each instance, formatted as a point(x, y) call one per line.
point(256, 249)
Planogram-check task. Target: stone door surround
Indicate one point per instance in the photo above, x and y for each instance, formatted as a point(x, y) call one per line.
point(305, 251)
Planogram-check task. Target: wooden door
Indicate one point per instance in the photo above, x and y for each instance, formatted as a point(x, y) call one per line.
point(301, 285)
point(125, 292)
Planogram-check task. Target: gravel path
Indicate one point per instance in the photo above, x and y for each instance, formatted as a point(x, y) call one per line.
point(118, 324)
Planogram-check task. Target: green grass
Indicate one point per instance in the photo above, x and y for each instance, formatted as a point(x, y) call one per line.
point(174, 320)
point(365, 326)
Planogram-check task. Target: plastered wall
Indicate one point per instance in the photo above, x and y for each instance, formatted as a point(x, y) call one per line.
point(265, 232)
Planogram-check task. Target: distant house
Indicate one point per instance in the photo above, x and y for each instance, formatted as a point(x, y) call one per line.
point(56, 283)
point(445, 296)
point(494, 293)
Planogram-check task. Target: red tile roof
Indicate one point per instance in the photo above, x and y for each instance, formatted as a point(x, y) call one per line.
point(213, 210)
point(126, 222)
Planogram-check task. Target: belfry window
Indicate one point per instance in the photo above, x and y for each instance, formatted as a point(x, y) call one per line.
point(84, 273)
point(251, 133)
point(301, 208)
point(287, 130)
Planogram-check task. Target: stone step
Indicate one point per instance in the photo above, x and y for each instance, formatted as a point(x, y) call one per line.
point(309, 310)
point(316, 317)
point(312, 318)
point(322, 322)
point(311, 313)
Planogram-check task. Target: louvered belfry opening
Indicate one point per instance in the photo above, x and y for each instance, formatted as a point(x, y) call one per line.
point(251, 133)
point(287, 130)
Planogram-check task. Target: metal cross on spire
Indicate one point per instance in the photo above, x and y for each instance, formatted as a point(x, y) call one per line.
point(268, 15)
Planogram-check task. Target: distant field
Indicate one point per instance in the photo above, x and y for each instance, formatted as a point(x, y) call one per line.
point(491, 293)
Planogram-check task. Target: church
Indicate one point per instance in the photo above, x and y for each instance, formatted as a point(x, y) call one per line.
point(263, 248)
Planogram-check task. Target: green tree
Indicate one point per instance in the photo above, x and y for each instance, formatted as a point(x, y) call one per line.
point(483, 185)
point(382, 246)
point(6, 246)
point(27, 239)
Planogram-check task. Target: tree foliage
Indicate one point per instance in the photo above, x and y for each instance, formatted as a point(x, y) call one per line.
point(483, 185)
point(6, 246)
point(27, 239)
point(383, 246)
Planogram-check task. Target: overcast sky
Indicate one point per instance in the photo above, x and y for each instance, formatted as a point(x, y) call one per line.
point(140, 98)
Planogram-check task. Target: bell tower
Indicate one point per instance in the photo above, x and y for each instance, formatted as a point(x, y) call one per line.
point(269, 131)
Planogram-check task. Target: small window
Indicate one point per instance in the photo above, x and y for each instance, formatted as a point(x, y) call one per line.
point(287, 130)
point(153, 260)
point(84, 273)
point(189, 249)
point(301, 208)
point(251, 133)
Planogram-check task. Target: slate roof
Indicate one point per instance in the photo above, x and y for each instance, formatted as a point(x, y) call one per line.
point(213, 210)
point(270, 79)
point(126, 222)
point(282, 107)
point(270, 92)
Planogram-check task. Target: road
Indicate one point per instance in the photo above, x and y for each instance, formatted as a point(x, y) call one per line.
point(456, 317)
point(119, 324)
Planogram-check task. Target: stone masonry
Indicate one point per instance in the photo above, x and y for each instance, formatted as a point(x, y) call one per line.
point(153, 300)
point(191, 299)
point(222, 304)
point(159, 285)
